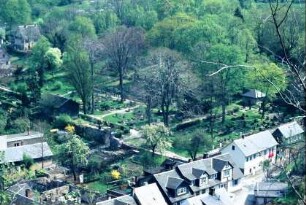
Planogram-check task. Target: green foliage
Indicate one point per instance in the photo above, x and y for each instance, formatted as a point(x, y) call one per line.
point(157, 137)
point(27, 161)
point(268, 78)
point(21, 125)
point(83, 26)
point(16, 12)
point(3, 121)
point(53, 58)
point(62, 121)
point(77, 66)
point(73, 154)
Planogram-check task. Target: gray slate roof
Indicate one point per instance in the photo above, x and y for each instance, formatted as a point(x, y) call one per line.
point(290, 129)
point(149, 195)
point(218, 164)
point(174, 183)
point(15, 154)
point(254, 94)
point(162, 180)
point(255, 143)
point(121, 200)
point(28, 32)
point(270, 189)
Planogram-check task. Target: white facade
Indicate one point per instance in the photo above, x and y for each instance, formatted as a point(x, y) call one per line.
point(249, 153)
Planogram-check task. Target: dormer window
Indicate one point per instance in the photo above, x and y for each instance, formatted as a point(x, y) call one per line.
point(226, 173)
point(181, 191)
point(203, 181)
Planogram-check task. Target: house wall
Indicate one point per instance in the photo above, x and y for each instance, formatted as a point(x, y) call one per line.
point(236, 155)
point(232, 188)
point(255, 164)
point(229, 177)
point(25, 141)
point(3, 144)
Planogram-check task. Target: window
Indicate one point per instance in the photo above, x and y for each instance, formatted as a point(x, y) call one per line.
point(235, 182)
point(203, 180)
point(226, 173)
point(265, 152)
point(233, 147)
point(16, 144)
point(181, 191)
point(203, 191)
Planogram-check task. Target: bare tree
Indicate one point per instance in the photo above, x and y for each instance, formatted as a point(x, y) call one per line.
point(166, 79)
point(295, 94)
point(76, 62)
point(120, 48)
point(94, 49)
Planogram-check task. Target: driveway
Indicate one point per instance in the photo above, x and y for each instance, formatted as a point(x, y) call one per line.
point(245, 196)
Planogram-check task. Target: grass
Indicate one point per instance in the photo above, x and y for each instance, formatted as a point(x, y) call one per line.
point(98, 186)
point(119, 118)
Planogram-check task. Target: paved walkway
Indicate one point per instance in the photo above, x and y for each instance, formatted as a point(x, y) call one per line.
point(245, 196)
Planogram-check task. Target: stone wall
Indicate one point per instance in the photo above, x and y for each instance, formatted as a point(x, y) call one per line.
point(102, 136)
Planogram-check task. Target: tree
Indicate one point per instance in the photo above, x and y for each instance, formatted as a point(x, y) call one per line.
point(5, 171)
point(77, 65)
point(121, 47)
point(38, 63)
point(94, 49)
point(166, 78)
point(53, 58)
point(83, 26)
point(73, 154)
point(229, 79)
point(195, 144)
point(268, 78)
point(16, 12)
point(157, 137)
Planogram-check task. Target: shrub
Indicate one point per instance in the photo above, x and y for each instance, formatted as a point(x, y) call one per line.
point(27, 161)
point(57, 85)
point(21, 124)
point(62, 121)
point(115, 174)
point(70, 129)
point(187, 124)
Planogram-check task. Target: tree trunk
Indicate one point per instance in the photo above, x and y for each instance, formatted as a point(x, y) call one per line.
point(153, 151)
point(92, 94)
point(84, 106)
point(148, 109)
point(263, 108)
point(121, 85)
point(165, 110)
point(223, 105)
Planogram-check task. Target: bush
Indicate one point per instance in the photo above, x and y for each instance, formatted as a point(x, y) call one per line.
point(21, 124)
point(187, 124)
point(57, 85)
point(27, 161)
point(62, 121)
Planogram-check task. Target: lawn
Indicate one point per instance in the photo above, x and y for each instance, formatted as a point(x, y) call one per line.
point(98, 186)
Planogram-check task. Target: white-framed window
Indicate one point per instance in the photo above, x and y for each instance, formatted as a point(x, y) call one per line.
point(181, 191)
point(203, 180)
point(226, 173)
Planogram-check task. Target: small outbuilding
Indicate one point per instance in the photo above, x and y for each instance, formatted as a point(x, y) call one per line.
point(265, 192)
point(288, 133)
point(54, 105)
point(24, 37)
point(252, 97)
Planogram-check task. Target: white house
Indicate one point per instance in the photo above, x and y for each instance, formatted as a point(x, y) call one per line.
point(288, 133)
point(250, 152)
